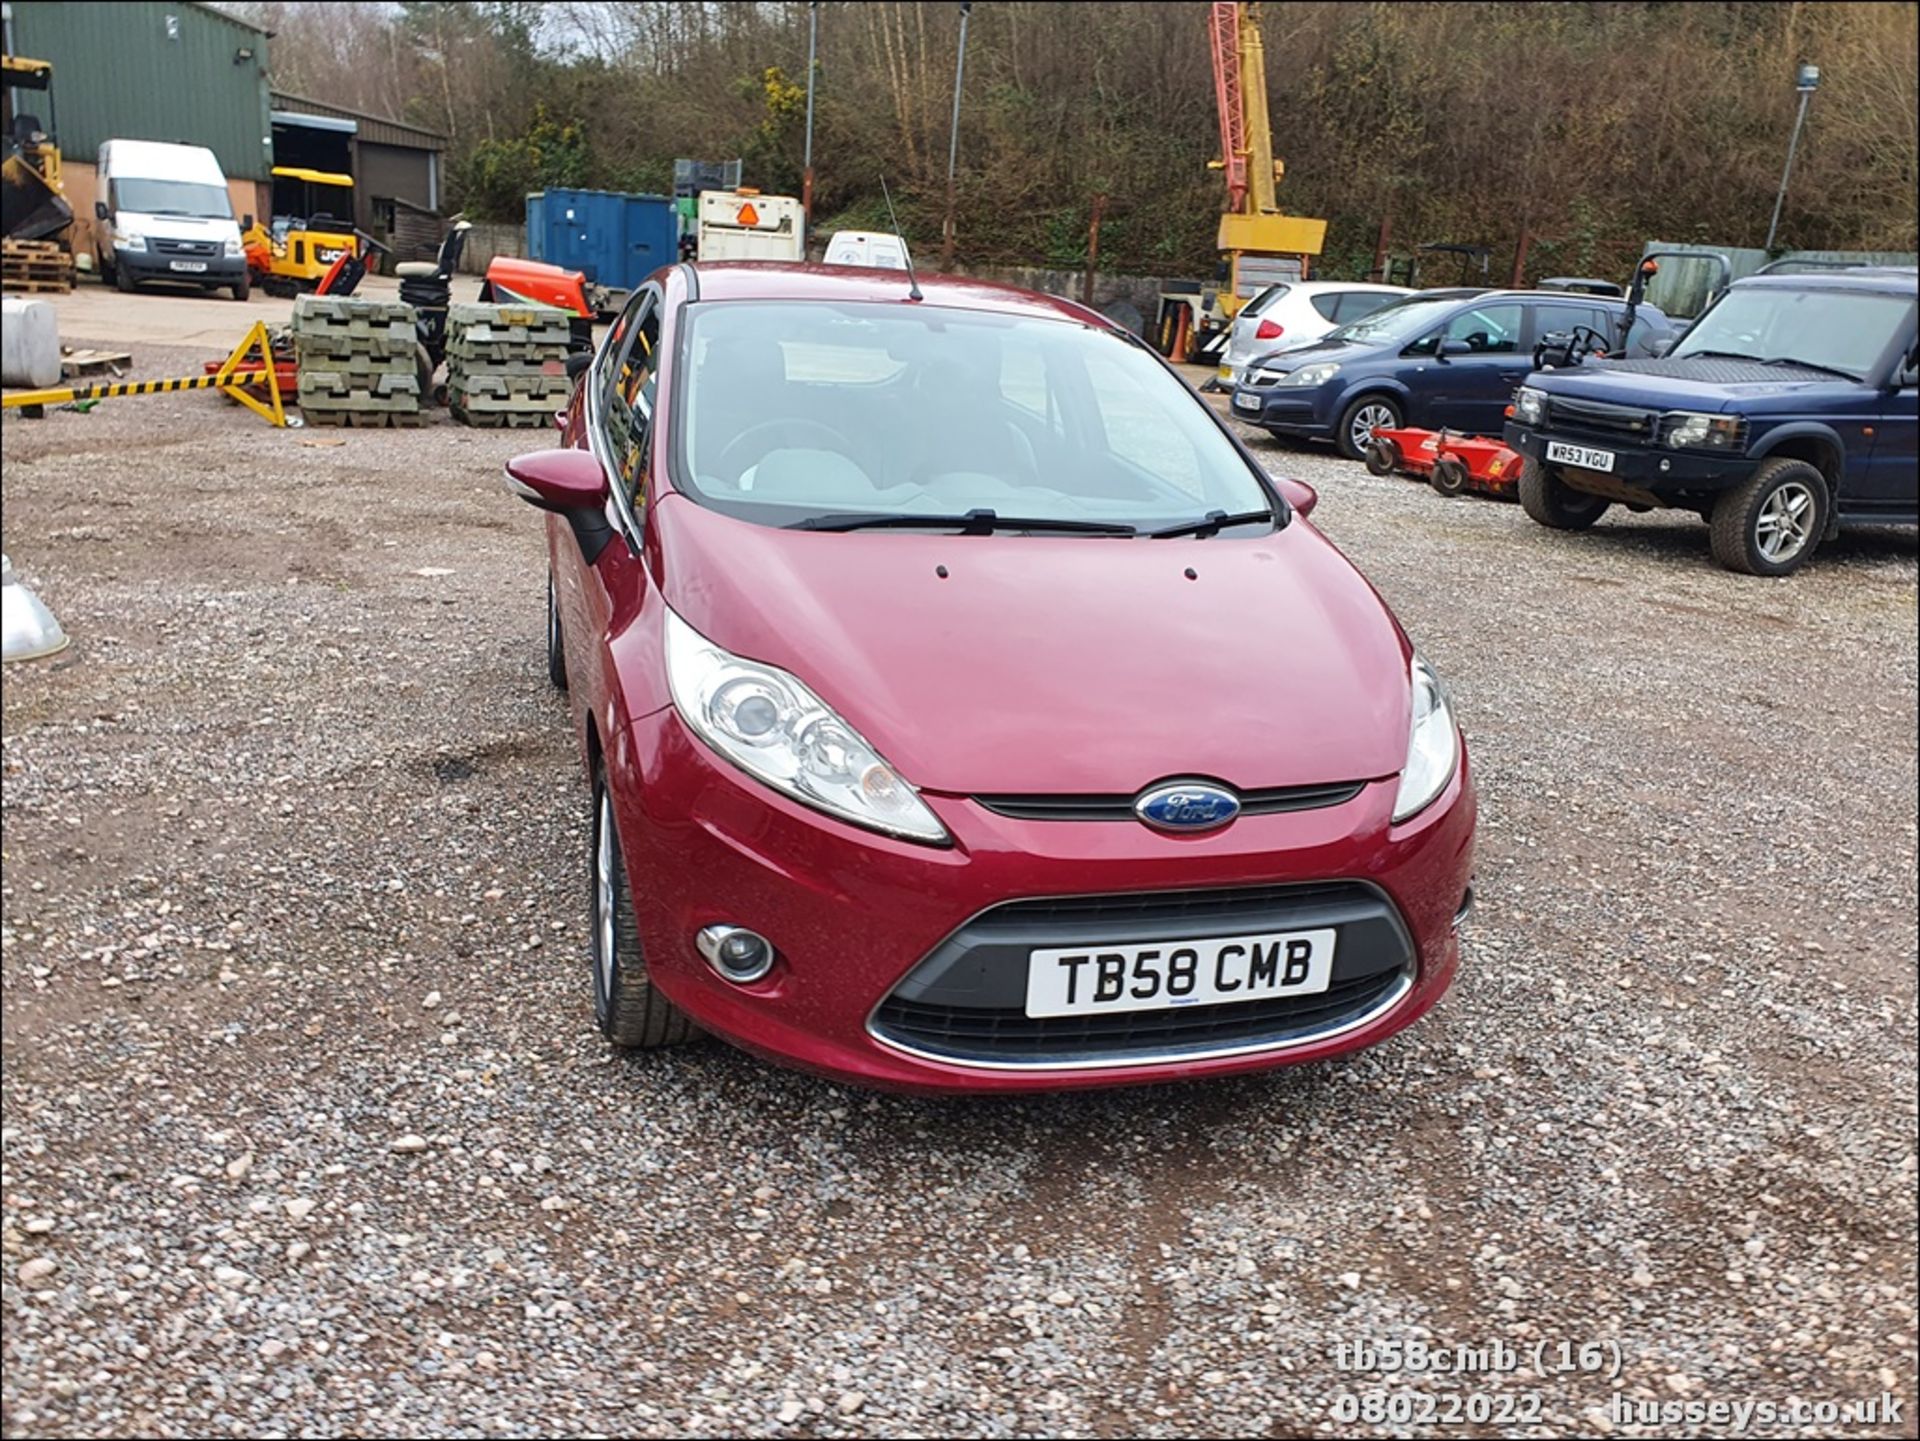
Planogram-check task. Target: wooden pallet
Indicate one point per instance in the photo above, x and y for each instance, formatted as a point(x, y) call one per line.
point(35, 266)
point(90, 362)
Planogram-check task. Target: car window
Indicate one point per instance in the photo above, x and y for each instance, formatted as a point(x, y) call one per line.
point(1265, 298)
point(1356, 304)
point(629, 401)
point(1555, 316)
point(1325, 304)
point(1137, 425)
point(795, 410)
point(1483, 329)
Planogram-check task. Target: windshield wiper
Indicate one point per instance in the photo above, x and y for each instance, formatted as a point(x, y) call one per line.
point(1212, 523)
point(974, 522)
point(1808, 365)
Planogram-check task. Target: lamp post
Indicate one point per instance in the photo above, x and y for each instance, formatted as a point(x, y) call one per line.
point(953, 137)
point(806, 175)
point(1806, 81)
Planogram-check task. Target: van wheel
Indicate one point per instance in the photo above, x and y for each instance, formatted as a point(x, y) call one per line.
point(1554, 503)
point(243, 287)
point(1358, 422)
point(123, 280)
point(1773, 522)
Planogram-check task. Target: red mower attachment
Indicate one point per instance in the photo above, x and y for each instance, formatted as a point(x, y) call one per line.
point(1451, 464)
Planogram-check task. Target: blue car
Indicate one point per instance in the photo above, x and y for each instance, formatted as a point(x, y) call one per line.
point(1787, 412)
point(1442, 358)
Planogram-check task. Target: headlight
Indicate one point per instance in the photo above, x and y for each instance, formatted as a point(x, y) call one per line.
point(1707, 432)
point(233, 249)
point(776, 730)
point(130, 242)
point(1529, 405)
point(1433, 745)
point(1312, 374)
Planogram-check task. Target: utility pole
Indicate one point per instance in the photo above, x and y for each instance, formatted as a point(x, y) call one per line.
point(1806, 81)
point(953, 137)
point(806, 177)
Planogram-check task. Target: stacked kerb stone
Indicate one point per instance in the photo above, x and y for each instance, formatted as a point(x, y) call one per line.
point(507, 364)
point(358, 361)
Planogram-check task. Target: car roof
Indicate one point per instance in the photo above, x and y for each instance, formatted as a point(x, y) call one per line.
point(1312, 287)
point(1875, 279)
point(736, 280)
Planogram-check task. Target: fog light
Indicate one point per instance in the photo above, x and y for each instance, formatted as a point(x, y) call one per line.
point(737, 954)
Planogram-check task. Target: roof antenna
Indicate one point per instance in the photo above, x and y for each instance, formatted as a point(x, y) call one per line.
point(913, 285)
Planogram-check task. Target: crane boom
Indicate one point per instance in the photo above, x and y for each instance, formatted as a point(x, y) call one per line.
point(1223, 29)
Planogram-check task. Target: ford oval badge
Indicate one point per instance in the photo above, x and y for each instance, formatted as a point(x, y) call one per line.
point(1187, 806)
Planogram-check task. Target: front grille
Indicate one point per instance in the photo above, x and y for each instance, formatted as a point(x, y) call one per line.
point(1592, 415)
point(1272, 801)
point(1009, 1036)
point(966, 1001)
point(198, 249)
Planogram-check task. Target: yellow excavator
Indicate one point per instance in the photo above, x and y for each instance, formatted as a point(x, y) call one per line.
point(312, 226)
point(33, 202)
point(1259, 244)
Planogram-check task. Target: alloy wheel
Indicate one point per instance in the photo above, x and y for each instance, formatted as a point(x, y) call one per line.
point(1785, 522)
point(1364, 421)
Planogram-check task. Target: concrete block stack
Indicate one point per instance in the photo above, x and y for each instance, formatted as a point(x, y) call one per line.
point(507, 364)
point(358, 361)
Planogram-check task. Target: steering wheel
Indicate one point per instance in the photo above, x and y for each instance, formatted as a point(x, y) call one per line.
point(838, 441)
point(1574, 347)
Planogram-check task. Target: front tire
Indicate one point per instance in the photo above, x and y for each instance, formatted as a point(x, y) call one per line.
point(1360, 419)
point(123, 280)
point(556, 644)
point(1773, 522)
point(630, 1012)
point(1555, 504)
point(243, 288)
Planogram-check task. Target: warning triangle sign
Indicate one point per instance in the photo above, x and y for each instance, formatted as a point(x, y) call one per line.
point(748, 215)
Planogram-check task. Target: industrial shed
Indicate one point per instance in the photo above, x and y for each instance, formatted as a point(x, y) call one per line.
point(395, 166)
point(145, 70)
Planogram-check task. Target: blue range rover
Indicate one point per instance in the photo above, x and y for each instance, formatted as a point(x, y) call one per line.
point(1786, 412)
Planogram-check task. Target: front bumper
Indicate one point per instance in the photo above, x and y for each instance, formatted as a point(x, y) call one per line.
point(146, 265)
point(853, 914)
point(1310, 412)
point(1653, 470)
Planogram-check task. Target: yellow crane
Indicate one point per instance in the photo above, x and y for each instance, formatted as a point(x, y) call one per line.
point(1259, 244)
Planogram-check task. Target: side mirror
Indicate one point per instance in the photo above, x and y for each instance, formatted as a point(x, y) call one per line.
point(1453, 347)
point(100, 211)
point(578, 363)
point(569, 484)
point(1659, 346)
point(246, 222)
point(1909, 375)
point(1298, 494)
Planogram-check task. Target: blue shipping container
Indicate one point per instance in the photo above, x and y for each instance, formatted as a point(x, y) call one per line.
point(616, 240)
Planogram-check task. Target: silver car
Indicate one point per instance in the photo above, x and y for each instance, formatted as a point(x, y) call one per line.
point(1298, 312)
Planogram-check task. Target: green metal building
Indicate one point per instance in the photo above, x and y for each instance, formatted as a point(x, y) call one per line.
point(142, 70)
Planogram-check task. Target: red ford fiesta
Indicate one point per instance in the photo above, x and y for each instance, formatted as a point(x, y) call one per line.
point(964, 709)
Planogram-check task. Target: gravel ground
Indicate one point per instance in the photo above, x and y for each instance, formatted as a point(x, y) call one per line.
point(307, 1131)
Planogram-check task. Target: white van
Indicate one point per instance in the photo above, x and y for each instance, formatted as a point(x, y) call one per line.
point(746, 225)
point(164, 214)
point(867, 247)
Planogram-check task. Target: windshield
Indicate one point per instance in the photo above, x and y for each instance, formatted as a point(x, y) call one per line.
point(798, 411)
point(1400, 322)
point(1831, 329)
point(172, 197)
